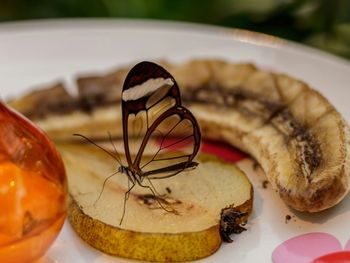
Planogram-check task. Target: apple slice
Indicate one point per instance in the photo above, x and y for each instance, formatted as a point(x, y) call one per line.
point(207, 204)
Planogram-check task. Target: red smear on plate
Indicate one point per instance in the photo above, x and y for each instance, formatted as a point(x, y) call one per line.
point(337, 257)
point(222, 150)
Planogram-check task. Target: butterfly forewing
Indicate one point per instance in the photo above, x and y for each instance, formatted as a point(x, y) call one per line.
point(161, 137)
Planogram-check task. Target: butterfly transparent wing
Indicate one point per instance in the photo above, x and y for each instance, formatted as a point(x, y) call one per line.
point(161, 137)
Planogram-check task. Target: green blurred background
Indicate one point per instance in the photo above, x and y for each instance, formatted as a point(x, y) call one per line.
point(320, 23)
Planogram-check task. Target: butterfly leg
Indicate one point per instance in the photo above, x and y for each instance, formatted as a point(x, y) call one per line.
point(103, 186)
point(139, 181)
point(154, 189)
point(126, 197)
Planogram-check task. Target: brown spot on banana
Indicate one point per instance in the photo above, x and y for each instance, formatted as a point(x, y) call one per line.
point(308, 153)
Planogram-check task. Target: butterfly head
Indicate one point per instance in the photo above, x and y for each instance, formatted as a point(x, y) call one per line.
point(123, 169)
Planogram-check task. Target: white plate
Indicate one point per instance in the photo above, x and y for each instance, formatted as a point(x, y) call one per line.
point(37, 53)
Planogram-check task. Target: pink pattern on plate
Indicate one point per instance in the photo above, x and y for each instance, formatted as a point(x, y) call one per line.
point(312, 247)
point(347, 246)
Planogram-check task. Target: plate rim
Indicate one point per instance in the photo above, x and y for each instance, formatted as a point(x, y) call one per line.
point(237, 34)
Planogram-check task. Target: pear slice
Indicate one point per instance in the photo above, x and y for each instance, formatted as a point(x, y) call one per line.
point(207, 204)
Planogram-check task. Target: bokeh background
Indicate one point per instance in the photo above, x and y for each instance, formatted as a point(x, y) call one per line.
point(324, 24)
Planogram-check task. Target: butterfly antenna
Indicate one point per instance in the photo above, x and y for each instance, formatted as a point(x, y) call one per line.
point(103, 186)
point(114, 148)
point(98, 146)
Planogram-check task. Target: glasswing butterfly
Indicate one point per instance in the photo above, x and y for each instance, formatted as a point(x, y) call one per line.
point(152, 112)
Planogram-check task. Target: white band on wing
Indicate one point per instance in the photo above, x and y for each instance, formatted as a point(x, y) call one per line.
point(145, 88)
